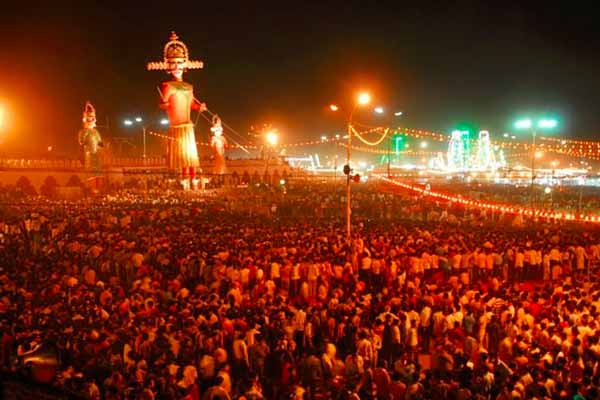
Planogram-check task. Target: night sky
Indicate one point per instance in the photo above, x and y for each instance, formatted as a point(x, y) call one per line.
point(442, 65)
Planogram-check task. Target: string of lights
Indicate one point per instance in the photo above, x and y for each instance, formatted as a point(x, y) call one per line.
point(571, 141)
point(419, 153)
point(504, 208)
point(367, 142)
point(572, 148)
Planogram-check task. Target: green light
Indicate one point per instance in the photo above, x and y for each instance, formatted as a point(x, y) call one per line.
point(547, 123)
point(398, 141)
point(523, 124)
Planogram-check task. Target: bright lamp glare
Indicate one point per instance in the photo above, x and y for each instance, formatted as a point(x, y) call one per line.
point(364, 98)
point(272, 138)
point(547, 190)
point(333, 107)
point(523, 124)
point(323, 138)
point(164, 121)
point(398, 113)
point(424, 145)
point(547, 123)
point(138, 119)
point(128, 122)
point(379, 110)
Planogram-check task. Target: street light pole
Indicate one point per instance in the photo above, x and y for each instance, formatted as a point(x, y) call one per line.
point(348, 192)
point(144, 133)
point(528, 124)
point(362, 99)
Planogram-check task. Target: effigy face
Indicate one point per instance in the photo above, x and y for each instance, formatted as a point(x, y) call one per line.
point(89, 123)
point(176, 68)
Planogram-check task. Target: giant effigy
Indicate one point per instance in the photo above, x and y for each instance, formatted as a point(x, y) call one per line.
point(177, 99)
point(90, 139)
point(218, 143)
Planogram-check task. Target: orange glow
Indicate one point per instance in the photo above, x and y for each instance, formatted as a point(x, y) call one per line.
point(2, 112)
point(272, 137)
point(364, 98)
point(333, 107)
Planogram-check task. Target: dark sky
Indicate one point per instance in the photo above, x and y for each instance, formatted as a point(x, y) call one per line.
point(442, 64)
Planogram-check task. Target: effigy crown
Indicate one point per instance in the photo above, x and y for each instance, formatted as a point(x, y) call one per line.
point(174, 51)
point(89, 113)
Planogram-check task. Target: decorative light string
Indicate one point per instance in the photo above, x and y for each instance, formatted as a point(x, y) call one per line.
point(572, 141)
point(572, 148)
point(367, 142)
point(505, 208)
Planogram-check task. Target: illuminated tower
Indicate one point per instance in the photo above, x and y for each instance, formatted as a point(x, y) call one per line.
point(456, 152)
point(484, 160)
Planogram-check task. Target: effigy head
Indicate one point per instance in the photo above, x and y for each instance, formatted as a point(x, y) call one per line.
point(175, 58)
point(89, 116)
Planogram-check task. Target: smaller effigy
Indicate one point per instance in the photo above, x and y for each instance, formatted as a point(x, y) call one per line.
point(90, 139)
point(218, 143)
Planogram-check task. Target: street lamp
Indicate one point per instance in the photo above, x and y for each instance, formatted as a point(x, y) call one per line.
point(364, 98)
point(525, 124)
point(378, 110)
point(138, 120)
point(361, 100)
point(272, 138)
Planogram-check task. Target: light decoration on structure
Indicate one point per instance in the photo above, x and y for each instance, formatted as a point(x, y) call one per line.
point(504, 208)
point(420, 153)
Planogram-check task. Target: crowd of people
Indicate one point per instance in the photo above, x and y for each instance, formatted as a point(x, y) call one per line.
point(260, 295)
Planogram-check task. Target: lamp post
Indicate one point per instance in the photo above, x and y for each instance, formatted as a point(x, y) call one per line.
point(527, 124)
point(272, 138)
point(362, 99)
point(140, 121)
